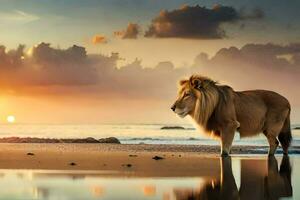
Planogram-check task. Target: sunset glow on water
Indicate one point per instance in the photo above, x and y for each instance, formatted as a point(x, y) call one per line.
point(78, 184)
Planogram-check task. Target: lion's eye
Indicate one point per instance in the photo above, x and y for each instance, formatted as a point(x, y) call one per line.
point(187, 94)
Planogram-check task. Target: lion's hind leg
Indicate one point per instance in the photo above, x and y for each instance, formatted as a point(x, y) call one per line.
point(274, 125)
point(285, 135)
point(272, 133)
point(273, 144)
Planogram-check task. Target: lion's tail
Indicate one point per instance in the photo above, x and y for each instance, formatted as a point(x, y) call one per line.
point(285, 136)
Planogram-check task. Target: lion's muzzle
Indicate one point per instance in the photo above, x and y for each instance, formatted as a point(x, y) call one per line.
point(173, 107)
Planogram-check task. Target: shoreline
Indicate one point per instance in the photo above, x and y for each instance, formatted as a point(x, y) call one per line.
point(179, 160)
point(144, 148)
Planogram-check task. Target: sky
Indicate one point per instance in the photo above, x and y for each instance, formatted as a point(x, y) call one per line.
point(119, 61)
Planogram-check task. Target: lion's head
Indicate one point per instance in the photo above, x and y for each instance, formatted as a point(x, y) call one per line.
point(197, 97)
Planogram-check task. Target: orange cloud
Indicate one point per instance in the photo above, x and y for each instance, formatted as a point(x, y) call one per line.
point(99, 39)
point(131, 32)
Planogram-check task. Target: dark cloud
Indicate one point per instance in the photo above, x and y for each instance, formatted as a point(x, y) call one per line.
point(198, 22)
point(254, 14)
point(131, 32)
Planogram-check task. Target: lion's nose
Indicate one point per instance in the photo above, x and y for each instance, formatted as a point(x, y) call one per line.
point(173, 107)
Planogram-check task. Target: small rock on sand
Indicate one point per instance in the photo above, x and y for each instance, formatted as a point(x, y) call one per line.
point(72, 164)
point(30, 154)
point(157, 158)
point(127, 165)
point(132, 155)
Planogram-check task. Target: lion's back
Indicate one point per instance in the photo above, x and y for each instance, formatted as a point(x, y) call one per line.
point(255, 107)
point(271, 99)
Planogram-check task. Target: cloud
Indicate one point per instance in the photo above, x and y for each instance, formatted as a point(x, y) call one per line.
point(45, 66)
point(17, 16)
point(198, 22)
point(99, 39)
point(131, 32)
point(256, 66)
point(265, 56)
point(73, 71)
point(74, 74)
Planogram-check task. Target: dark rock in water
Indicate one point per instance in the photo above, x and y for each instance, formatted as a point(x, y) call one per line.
point(30, 154)
point(172, 128)
point(72, 164)
point(110, 140)
point(157, 158)
point(84, 140)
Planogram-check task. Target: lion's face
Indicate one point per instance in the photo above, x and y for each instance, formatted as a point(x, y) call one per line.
point(186, 101)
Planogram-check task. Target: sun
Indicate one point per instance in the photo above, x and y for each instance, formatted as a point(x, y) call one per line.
point(11, 119)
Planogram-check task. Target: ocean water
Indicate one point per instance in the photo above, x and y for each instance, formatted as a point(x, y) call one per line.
point(128, 133)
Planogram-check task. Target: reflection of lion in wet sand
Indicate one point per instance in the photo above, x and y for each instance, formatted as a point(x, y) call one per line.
point(220, 111)
point(258, 181)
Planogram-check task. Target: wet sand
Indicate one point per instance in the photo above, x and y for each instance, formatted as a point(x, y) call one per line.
point(111, 157)
point(179, 160)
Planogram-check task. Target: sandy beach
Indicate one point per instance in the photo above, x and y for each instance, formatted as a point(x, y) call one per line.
point(184, 160)
point(111, 157)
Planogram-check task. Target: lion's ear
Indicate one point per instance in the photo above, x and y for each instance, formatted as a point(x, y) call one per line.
point(195, 83)
point(182, 82)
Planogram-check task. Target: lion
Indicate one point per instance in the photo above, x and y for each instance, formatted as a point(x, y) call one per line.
point(220, 111)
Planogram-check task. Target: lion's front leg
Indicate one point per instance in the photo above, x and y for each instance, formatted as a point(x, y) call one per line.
point(227, 135)
point(226, 142)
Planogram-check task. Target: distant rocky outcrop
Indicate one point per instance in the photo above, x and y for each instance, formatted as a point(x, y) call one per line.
point(28, 140)
point(172, 128)
point(110, 140)
point(297, 128)
point(53, 140)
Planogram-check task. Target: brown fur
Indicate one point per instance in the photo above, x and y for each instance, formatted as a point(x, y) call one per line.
point(220, 111)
